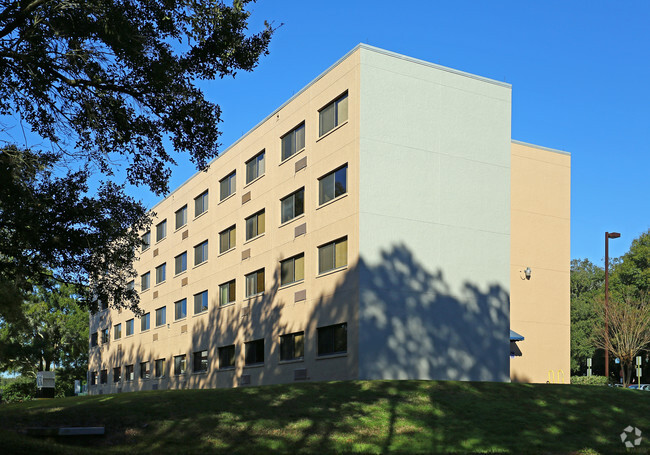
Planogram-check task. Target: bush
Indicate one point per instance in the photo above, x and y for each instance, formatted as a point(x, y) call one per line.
point(21, 389)
point(589, 380)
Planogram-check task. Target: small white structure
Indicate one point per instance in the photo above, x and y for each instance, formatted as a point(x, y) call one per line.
point(45, 380)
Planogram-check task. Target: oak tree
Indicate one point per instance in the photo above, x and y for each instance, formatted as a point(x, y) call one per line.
point(111, 88)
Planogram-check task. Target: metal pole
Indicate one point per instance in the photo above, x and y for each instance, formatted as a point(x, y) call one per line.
point(607, 305)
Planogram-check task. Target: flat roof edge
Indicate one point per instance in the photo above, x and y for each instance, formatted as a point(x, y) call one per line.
point(541, 147)
point(432, 65)
point(316, 79)
point(261, 122)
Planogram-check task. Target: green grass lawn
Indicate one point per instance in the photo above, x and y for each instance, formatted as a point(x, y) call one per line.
point(358, 416)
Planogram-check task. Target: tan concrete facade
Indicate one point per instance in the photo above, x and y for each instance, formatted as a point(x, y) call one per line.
point(540, 234)
point(321, 299)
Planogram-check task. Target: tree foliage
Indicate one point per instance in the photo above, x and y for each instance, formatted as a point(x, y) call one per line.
point(51, 231)
point(119, 76)
point(632, 272)
point(628, 332)
point(107, 85)
point(587, 281)
point(51, 330)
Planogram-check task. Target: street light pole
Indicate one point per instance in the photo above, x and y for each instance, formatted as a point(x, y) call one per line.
point(608, 235)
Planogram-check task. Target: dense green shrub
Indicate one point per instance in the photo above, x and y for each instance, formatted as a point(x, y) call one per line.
point(589, 380)
point(21, 389)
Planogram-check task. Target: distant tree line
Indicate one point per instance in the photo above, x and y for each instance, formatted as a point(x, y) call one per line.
point(628, 312)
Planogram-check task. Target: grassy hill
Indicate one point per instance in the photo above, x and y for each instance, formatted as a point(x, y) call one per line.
point(360, 416)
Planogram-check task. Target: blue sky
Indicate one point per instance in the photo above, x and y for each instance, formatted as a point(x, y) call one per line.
point(580, 73)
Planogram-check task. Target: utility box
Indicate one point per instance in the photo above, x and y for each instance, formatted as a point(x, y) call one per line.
point(45, 384)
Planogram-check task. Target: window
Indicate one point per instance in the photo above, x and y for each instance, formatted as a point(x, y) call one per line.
point(333, 339)
point(103, 376)
point(161, 316)
point(333, 255)
point(255, 283)
point(93, 378)
point(227, 185)
point(201, 203)
point(292, 346)
point(227, 357)
point(93, 339)
point(117, 334)
point(293, 141)
point(254, 352)
point(201, 361)
point(144, 281)
point(180, 263)
point(144, 322)
point(333, 185)
point(292, 270)
point(146, 240)
point(227, 293)
point(145, 370)
point(159, 368)
point(129, 374)
point(161, 230)
point(255, 167)
point(255, 225)
point(200, 302)
point(201, 253)
point(160, 273)
point(129, 327)
point(130, 285)
point(179, 364)
point(181, 217)
point(103, 304)
point(333, 115)
point(117, 374)
point(293, 205)
point(227, 239)
point(105, 336)
point(180, 309)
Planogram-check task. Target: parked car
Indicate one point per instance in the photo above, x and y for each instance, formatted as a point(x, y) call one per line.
point(640, 387)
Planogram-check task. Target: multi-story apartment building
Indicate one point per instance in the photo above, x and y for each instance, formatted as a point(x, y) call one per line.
point(379, 224)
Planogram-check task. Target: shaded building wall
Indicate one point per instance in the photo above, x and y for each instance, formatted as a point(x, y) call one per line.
point(318, 300)
point(434, 222)
point(540, 307)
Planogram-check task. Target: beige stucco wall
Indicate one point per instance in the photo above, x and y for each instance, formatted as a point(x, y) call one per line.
point(330, 298)
point(540, 236)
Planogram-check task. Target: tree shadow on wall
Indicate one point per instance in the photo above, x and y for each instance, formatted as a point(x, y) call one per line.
point(413, 325)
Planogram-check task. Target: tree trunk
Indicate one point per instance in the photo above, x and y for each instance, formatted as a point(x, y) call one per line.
point(627, 374)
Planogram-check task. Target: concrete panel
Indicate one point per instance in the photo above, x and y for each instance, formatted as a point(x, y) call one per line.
point(434, 223)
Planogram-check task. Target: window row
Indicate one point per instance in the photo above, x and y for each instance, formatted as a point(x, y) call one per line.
point(331, 340)
point(331, 255)
point(331, 116)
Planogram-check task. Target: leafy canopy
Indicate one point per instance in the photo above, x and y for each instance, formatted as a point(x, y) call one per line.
point(106, 84)
point(52, 329)
point(49, 222)
point(117, 76)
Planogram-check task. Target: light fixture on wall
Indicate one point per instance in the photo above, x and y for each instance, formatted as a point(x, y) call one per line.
point(528, 273)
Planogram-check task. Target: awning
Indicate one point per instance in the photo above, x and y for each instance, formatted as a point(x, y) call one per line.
point(514, 336)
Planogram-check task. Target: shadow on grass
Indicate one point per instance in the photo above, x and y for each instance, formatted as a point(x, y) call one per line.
point(371, 417)
point(403, 321)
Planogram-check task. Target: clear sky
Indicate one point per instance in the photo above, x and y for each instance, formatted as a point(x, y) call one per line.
point(580, 75)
